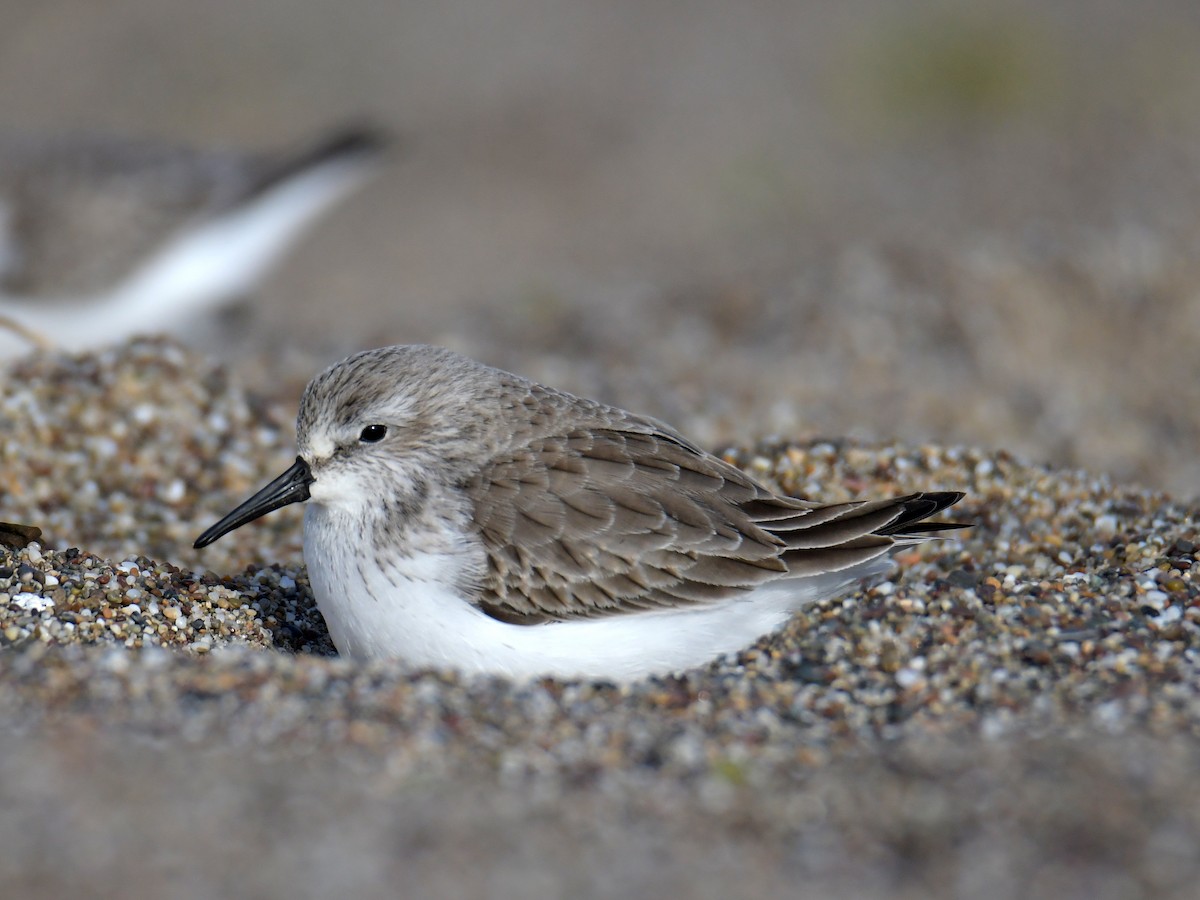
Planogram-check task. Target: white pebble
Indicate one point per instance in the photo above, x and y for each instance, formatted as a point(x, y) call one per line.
point(115, 661)
point(996, 725)
point(103, 447)
point(174, 491)
point(32, 602)
point(1170, 614)
point(1157, 599)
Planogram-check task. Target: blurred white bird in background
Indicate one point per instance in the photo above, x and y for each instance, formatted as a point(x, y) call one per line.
point(103, 238)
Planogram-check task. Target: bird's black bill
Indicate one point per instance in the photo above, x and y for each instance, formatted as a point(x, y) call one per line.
point(290, 487)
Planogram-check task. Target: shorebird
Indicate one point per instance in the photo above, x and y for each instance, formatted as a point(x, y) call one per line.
point(463, 517)
point(104, 238)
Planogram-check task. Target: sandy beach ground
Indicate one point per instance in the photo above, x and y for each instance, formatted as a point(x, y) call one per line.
point(868, 249)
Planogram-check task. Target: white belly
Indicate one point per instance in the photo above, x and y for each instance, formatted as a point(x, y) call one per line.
point(404, 610)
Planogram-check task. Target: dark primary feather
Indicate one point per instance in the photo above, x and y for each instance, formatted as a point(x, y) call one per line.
point(625, 515)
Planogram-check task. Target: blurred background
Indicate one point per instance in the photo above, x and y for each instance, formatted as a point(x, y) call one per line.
point(936, 221)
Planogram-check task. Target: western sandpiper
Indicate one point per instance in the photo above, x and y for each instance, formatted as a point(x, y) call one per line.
point(463, 517)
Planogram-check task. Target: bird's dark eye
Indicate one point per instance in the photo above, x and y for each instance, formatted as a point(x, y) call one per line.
point(372, 434)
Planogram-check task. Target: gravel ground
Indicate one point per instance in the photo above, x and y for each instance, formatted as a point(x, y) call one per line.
point(1013, 715)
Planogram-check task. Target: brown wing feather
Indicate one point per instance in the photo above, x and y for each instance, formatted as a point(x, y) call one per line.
point(606, 520)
